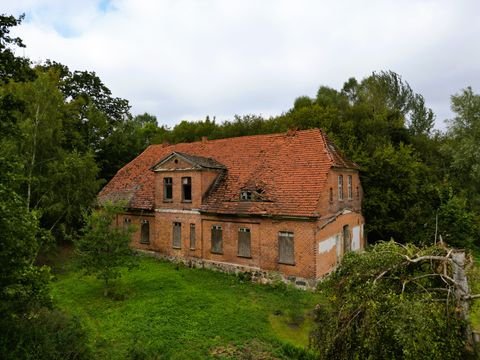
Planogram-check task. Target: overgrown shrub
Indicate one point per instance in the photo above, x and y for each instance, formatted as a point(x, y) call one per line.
point(50, 334)
point(391, 302)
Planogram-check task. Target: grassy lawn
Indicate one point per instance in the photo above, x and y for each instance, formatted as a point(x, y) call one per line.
point(166, 311)
point(474, 283)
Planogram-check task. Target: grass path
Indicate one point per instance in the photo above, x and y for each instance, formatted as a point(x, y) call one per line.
point(166, 311)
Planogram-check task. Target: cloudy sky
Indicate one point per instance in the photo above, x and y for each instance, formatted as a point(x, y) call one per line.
point(185, 59)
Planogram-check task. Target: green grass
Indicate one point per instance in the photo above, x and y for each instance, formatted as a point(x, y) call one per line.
point(474, 283)
point(173, 312)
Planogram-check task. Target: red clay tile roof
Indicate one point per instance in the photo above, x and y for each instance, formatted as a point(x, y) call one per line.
point(291, 168)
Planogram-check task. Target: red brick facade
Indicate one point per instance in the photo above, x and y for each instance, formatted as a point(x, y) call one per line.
point(303, 202)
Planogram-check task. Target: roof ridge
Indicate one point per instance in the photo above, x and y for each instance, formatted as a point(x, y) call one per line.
point(285, 133)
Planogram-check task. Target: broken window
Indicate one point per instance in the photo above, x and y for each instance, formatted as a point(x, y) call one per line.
point(244, 242)
point(167, 189)
point(246, 195)
point(286, 254)
point(192, 236)
point(349, 187)
point(186, 189)
point(217, 241)
point(145, 232)
point(177, 235)
point(340, 187)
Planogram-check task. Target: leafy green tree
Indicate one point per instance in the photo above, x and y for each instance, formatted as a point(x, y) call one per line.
point(391, 302)
point(104, 248)
point(463, 137)
point(392, 181)
point(12, 67)
point(23, 285)
point(54, 179)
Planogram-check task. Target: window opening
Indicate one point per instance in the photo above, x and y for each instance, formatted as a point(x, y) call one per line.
point(177, 235)
point(217, 241)
point(145, 232)
point(244, 242)
point(167, 188)
point(187, 189)
point(286, 254)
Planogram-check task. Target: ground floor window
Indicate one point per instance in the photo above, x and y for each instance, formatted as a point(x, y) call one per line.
point(286, 252)
point(177, 235)
point(244, 242)
point(217, 240)
point(126, 223)
point(192, 236)
point(145, 232)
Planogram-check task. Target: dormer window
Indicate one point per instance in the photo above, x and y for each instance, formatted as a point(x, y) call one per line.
point(246, 195)
point(186, 189)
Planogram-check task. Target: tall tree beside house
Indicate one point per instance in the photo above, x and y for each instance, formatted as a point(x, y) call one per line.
point(462, 145)
point(58, 181)
point(104, 249)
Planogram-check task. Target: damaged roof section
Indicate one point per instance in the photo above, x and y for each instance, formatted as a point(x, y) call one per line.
point(338, 159)
point(289, 171)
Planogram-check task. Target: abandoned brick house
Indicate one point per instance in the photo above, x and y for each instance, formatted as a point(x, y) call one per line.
point(287, 203)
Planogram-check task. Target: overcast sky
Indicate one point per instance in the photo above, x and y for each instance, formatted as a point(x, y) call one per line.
point(185, 59)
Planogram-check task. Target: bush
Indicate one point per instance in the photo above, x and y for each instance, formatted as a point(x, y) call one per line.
point(50, 334)
point(383, 305)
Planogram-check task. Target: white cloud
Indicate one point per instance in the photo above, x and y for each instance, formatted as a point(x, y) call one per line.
point(178, 58)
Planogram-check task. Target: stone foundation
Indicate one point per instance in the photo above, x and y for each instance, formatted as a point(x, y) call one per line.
point(250, 273)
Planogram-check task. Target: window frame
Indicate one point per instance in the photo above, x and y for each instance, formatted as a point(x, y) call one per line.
point(127, 222)
point(167, 184)
point(216, 237)
point(145, 224)
point(193, 239)
point(349, 187)
point(241, 238)
point(246, 195)
point(284, 236)
point(177, 235)
point(340, 187)
point(188, 183)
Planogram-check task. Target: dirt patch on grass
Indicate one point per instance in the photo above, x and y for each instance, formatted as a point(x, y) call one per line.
point(249, 351)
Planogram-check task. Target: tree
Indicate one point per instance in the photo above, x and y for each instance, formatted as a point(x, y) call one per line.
point(59, 181)
point(104, 249)
point(394, 302)
point(463, 137)
point(12, 67)
point(23, 285)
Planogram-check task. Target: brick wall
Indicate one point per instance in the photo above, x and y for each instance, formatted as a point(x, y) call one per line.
point(328, 206)
point(263, 233)
point(136, 220)
point(315, 249)
point(329, 240)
